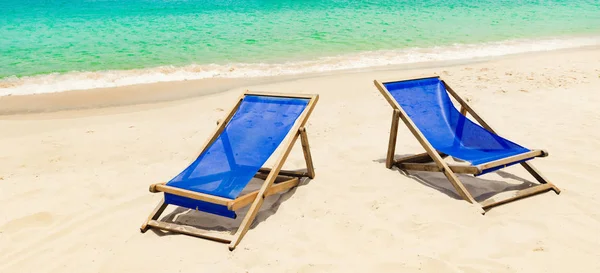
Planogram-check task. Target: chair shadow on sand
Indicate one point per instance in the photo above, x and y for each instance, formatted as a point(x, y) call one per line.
point(210, 222)
point(480, 188)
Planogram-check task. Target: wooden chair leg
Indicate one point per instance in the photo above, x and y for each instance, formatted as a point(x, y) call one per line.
point(154, 215)
point(389, 161)
point(254, 208)
point(306, 151)
point(538, 176)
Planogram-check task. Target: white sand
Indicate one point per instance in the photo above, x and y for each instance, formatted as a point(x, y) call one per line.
point(74, 185)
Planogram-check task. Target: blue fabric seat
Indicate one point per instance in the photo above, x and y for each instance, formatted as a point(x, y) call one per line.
point(428, 104)
point(227, 165)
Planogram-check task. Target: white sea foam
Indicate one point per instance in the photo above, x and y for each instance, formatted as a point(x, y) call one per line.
point(87, 80)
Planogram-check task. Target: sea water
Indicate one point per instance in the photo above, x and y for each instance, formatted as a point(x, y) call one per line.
point(58, 45)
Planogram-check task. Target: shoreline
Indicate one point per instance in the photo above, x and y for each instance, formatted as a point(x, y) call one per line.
point(164, 92)
point(365, 59)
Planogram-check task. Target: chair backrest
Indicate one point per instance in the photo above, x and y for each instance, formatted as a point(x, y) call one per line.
point(428, 105)
point(254, 132)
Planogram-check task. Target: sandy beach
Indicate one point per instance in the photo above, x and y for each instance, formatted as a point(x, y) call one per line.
point(75, 183)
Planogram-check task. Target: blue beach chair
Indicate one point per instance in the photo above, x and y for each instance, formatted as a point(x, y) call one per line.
point(424, 106)
point(257, 125)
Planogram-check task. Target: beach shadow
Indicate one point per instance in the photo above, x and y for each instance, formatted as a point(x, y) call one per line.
point(211, 222)
point(481, 188)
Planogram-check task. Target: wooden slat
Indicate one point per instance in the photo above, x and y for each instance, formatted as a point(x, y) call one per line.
point(492, 202)
point(510, 159)
point(262, 176)
point(306, 151)
point(407, 79)
point(193, 195)
point(419, 167)
point(389, 159)
point(153, 189)
point(280, 178)
point(435, 168)
point(248, 198)
point(285, 172)
point(193, 231)
point(460, 188)
point(418, 158)
point(279, 94)
point(282, 186)
point(465, 169)
point(242, 201)
point(287, 146)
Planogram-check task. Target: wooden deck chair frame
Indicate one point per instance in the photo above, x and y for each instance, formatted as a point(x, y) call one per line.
point(422, 162)
point(276, 179)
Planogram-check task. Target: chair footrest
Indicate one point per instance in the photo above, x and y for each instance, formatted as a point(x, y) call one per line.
point(492, 202)
point(189, 230)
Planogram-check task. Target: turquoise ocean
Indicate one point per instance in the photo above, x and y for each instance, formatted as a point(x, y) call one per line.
point(58, 45)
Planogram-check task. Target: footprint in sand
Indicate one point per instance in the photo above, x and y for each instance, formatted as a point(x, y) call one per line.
point(37, 220)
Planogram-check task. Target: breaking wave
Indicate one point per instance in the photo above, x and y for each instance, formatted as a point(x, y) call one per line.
point(81, 80)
